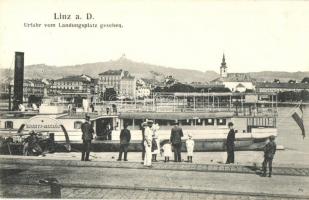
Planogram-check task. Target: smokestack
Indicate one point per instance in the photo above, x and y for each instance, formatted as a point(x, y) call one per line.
point(18, 79)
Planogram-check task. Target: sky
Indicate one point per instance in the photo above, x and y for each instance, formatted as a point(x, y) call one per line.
point(254, 35)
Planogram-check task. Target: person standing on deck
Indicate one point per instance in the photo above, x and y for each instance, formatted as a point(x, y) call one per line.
point(269, 153)
point(125, 137)
point(87, 136)
point(109, 131)
point(230, 146)
point(148, 144)
point(70, 108)
point(176, 134)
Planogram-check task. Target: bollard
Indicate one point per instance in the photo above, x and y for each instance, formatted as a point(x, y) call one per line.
point(55, 187)
point(51, 143)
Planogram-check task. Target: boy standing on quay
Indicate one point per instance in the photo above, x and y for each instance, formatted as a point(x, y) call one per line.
point(125, 137)
point(269, 153)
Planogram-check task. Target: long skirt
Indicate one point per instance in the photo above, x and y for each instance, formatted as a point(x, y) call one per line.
point(148, 156)
point(157, 151)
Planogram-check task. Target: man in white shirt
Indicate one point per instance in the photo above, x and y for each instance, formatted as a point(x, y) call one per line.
point(148, 143)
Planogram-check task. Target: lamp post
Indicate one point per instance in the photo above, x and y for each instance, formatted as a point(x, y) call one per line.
point(208, 96)
point(203, 98)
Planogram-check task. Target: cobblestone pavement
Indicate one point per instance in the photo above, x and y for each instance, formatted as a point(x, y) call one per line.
point(158, 180)
point(183, 166)
point(34, 191)
point(131, 180)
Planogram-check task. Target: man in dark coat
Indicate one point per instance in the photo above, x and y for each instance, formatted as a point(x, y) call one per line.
point(269, 153)
point(125, 137)
point(87, 136)
point(230, 146)
point(176, 134)
point(143, 125)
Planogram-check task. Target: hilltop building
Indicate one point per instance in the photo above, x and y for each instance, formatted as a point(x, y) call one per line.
point(236, 82)
point(170, 80)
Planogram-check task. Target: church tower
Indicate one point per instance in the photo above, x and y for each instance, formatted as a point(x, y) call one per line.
point(223, 68)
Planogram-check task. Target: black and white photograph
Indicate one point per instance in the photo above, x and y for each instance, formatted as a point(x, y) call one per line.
point(190, 99)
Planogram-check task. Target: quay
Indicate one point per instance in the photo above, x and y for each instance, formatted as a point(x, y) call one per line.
point(106, 178)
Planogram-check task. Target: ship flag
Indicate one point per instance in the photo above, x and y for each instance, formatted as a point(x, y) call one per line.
point(298, 117)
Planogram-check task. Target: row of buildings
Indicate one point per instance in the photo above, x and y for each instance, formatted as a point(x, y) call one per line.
point(127, 86)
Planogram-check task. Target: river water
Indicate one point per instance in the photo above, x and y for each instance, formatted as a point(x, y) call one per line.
point(289, 134)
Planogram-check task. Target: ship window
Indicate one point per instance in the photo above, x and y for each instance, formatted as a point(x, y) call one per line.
point(199, 122)
point(185, 122)
point(138, 122)
point(162, 122)
point(209, 122)
point(8, 124)
point(221, 122)
point(78, 124)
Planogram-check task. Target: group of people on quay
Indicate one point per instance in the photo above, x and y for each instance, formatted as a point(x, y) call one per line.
point(151, 144)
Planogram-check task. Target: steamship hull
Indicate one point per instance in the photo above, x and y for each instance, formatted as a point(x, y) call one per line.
point(206, 137)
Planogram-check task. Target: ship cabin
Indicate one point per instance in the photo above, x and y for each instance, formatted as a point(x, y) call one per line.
point(50, 119)
point(204, 114)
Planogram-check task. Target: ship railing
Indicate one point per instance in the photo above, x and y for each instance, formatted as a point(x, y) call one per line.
point(169, 109)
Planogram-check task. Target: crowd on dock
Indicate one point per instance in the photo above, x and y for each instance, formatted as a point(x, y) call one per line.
point(151, 145)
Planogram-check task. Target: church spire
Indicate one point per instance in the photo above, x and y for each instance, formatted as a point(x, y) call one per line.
point(223, 68)
point(223, 64)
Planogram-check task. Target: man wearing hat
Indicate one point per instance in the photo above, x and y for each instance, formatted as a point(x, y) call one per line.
point(176, 134)
point(148, 143)
point(269, 153)
point(87, 136)
point(125, 137)
point(230, 146)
